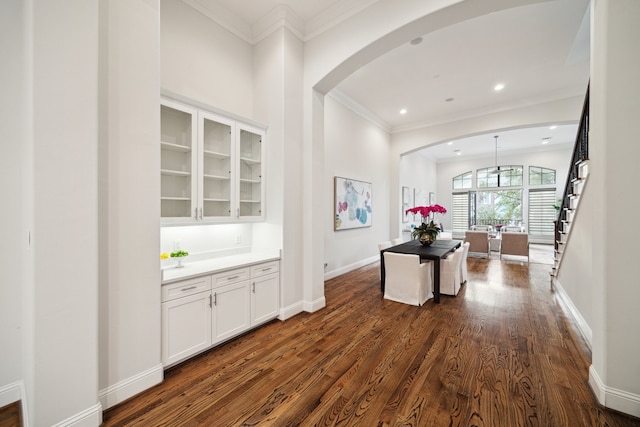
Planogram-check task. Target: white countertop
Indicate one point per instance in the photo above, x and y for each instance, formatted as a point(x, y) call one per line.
point(216, 265)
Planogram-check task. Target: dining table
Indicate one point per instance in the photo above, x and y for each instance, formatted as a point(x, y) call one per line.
point(438, 250)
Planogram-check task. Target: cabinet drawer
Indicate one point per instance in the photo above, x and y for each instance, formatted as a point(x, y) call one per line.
point(228, 277)
point(185, 288)
point(266, 268)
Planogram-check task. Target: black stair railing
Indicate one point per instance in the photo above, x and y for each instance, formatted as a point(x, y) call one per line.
point(580, 154)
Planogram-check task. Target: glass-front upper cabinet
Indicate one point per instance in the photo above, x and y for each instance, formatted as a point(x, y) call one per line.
point(212, 167)
point(217, 166)
point(251, 172)
point(178, 155)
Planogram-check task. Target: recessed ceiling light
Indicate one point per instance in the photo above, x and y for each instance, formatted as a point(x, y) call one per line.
point(552, 127)
point(498, 87)
point(416, 41)
point(450, 143)
point(403, 111)
point(458, 152)
point(546, 140)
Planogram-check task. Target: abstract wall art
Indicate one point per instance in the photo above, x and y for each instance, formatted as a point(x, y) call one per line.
point(352, 201)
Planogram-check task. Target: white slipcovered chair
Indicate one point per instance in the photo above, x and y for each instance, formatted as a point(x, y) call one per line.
point(450, 272)
point(397, 241)
point(463, 264)
point(407, 280)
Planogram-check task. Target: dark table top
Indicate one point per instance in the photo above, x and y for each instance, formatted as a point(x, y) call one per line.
point(437, 250)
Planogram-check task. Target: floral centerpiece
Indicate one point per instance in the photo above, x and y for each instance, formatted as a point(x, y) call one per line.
point(427, 232)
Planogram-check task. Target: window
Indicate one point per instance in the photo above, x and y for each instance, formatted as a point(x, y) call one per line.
point(462, 181)
point(541, 176)
point(499, 207)
point(460, 212)
point(509, 176)
point(542, 213)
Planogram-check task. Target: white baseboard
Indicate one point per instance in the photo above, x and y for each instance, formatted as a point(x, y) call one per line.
point(291, 310)
point(15, 392)
point(90, 417)
point(612, 398)
point(347, 268)
point(129, 387)
point(583, 326)
point(313, 306)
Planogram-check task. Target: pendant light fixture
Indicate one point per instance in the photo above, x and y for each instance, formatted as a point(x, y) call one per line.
point(496, 169)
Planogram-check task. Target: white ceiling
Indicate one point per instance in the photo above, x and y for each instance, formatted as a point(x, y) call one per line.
point(540, 53)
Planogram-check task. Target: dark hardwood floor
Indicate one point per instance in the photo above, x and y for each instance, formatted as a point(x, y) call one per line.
point(501, 353)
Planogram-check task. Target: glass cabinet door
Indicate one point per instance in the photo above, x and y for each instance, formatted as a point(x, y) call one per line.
point(177, 162)
point(250, 179)
point(217, 167)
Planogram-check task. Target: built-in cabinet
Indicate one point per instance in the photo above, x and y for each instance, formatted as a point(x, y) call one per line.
point(212, 166)
point(201, 312)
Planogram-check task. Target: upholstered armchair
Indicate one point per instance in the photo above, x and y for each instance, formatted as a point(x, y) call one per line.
point(514, 244)
point(478, 241)
point(407, 279)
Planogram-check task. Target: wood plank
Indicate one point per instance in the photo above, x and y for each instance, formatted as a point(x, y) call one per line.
point(501, 353)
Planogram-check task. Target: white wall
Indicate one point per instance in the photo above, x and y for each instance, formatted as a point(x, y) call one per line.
point(203, 61)
point(615, 373)
point(16, 192)
point(129, 199)
point(354, 148)
point(65, 229)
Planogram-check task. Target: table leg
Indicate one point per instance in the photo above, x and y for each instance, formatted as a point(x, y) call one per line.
point(382, 275)
point(436, 281)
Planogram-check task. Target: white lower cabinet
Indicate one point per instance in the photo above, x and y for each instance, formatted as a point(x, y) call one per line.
point(186, 319)
point(231, 311)
point(202, 312)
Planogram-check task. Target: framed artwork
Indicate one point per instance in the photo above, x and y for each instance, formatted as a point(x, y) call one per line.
point(352, 202)
point(407, 203)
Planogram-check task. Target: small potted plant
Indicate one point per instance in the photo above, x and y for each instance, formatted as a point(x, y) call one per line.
point(427, 232)
point(179, 256)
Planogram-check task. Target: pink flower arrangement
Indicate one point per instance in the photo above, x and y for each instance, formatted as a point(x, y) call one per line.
point(425, 211)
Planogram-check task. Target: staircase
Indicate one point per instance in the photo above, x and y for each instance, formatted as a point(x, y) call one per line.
point(576, 179)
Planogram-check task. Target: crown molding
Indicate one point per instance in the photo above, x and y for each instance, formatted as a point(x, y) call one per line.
point(225, 18)
point(359, 109)
point(282, 16)
point(340, 11)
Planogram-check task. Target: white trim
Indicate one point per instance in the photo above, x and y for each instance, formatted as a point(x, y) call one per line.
point(612, 398)
point(282, 16)
point(313, 306)
point(15, 392)
point(583, 326)
point(225, 18)
point(119, 392)
point(291, 310)
point(90, 417)
point(347, 268)
point(358, 109)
